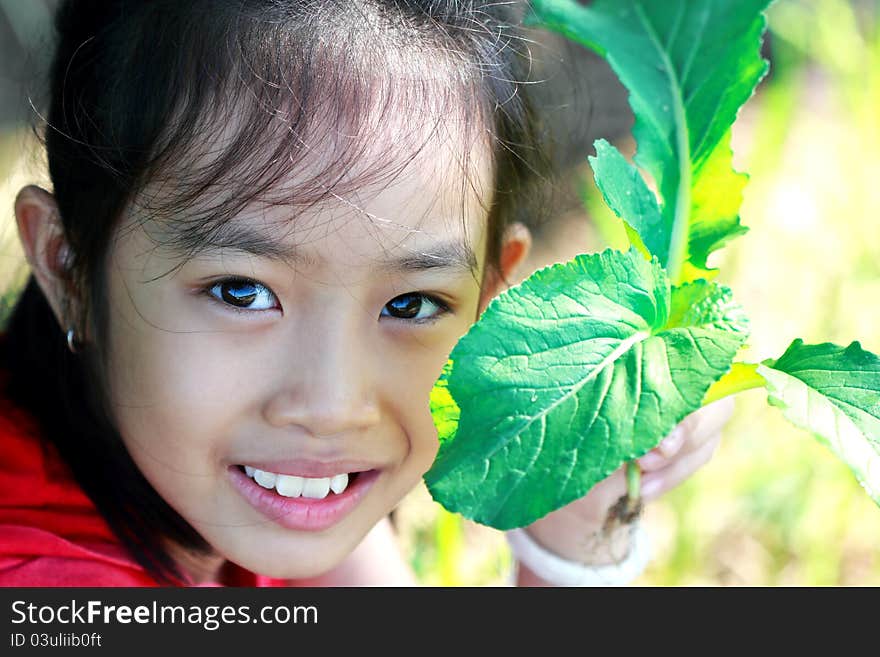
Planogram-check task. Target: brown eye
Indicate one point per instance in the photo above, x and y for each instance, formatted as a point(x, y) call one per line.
point(241, 293)
point(415, 306)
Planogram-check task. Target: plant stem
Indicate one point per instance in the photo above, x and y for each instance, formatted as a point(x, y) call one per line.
point(742, 376)
point(633, 486)
point(678, 242)
point(679, 238)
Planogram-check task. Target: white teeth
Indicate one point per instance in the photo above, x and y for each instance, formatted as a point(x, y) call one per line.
point(292, 486)
point(289, 485)
point(338, 483)
point(265, 479)
point(316, 489)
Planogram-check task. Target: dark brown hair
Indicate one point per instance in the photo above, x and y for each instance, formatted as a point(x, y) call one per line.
point(140, 91)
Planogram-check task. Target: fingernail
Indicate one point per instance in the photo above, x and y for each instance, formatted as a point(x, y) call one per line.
point(672, 443)
point(651, 461)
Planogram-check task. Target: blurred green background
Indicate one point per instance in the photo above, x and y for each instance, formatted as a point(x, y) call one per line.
point(773, 507)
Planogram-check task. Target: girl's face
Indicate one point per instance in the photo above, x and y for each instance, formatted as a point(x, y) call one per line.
point(308, 367)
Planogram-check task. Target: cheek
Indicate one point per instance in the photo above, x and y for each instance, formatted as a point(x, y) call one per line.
point(407, 380)
point(171, 393)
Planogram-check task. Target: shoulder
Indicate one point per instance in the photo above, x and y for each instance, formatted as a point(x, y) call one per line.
point(34, 557)
point(50, 532)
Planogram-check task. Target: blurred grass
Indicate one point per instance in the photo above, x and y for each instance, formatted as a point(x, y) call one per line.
point(773, 507)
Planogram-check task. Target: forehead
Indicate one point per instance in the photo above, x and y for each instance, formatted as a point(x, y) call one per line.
point(392, 181)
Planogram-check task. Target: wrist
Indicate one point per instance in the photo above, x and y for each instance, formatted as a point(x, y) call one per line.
point(597, 547)
point(537, 566)
point(584, 536)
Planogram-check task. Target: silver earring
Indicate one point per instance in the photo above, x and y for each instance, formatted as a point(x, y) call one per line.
point(71, 340)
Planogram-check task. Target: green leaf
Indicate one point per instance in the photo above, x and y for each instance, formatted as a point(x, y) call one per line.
point(628, 196)
point(707, 304)
point(444, 410)
point(716, 198)
point(689, 66)
point(565, 378)
point(833, 392)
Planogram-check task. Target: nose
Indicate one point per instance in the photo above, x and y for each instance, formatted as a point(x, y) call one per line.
point(327, 383)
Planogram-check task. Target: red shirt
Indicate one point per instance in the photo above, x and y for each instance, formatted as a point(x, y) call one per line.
point(51, 534)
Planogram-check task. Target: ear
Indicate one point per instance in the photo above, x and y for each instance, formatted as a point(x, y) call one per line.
point(46, 249)
point(515, 247)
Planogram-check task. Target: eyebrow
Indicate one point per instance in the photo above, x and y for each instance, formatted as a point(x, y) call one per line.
point(452, 254)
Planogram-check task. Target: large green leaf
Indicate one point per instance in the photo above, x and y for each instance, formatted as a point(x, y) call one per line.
point(689, 65)
point(565, 378)
point(833, 392)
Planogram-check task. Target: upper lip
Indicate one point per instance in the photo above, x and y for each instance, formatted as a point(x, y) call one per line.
point(309, 468)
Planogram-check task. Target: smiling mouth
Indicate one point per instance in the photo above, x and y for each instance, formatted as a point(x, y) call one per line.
point(304, 503)
point(315, 488)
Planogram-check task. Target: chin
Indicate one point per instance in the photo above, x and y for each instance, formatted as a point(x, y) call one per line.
point(299, 559)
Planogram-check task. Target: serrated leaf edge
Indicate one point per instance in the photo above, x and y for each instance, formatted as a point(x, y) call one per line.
point(845, 439)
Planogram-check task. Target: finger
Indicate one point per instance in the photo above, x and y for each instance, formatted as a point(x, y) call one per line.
point(710, 419)
point(652, 461)
point(657, 483)
point(661, 456)
point(701, 426)
point(670, 445)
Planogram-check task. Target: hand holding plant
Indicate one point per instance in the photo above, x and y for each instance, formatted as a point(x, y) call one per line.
point(575, 531)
